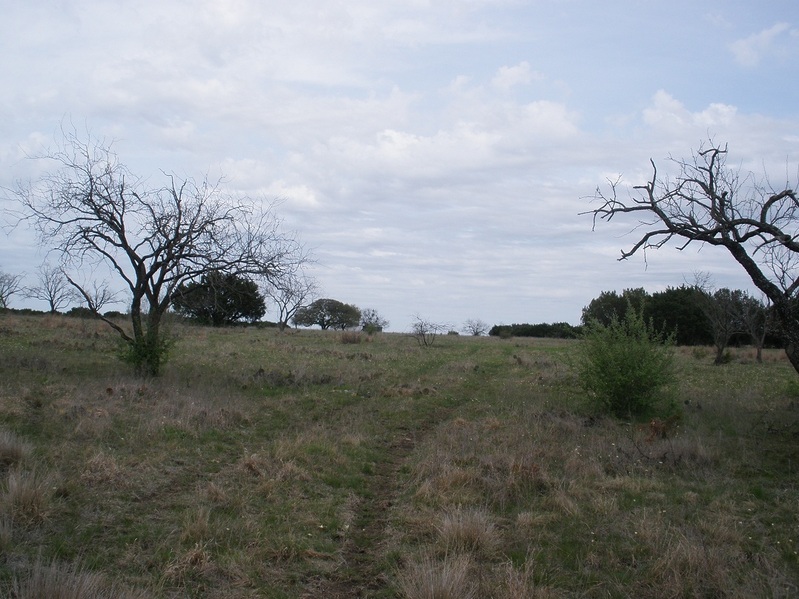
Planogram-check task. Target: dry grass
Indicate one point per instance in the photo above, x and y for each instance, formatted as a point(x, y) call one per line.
point(193, 562)
point(269, 465)
point(6, 533)
point(196, 525)
point(468, 530)
point(517, 583)
point(64, 581)
point(26, 495)
point(351, 337)
point(432, 578)
point(13, 450)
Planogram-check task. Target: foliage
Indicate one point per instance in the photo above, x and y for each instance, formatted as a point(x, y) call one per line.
point(328, 314)
point(679, 311)
point(609, 305)
point(93, 211)
point(557, 330)
point(150, 349)
point(219, 299)
point(80, 312)
point(626, 367)
point(372, 322)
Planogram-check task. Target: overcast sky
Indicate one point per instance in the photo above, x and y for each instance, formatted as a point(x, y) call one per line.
point(434, 154)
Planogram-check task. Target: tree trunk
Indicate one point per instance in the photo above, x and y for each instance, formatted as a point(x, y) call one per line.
point(719, 354)
point(786, 313)
point(792, 351)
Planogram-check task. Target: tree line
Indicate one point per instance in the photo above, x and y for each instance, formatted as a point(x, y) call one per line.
point(163, 243)
point(691, 314)
point(694, 315)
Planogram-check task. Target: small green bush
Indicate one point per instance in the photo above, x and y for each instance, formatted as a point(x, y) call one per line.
point(627, 367)
point(147, 354)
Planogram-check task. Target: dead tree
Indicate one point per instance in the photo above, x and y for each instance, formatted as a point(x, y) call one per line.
point(92, 211)
point(709, 203)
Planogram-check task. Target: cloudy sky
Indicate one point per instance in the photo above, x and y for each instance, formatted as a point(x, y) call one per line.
point(434, 154)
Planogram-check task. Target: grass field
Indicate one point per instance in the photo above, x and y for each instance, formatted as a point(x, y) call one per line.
point(312, 464)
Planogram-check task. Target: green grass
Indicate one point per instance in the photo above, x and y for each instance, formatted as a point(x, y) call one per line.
point(296, 465)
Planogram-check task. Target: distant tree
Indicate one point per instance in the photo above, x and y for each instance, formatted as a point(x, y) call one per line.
point(475, 327)
point(503, 331)
point(92, 210)
point(602, 309)
point(723, 308)
point(426, 331)
point(289, 293)
point(557, 330)
point(219, 299)
point(97, 295)
point(372, 322)
point(53, 287)
point(756, 320)
point(679, 311)
point(9, 285)
point(328, 314)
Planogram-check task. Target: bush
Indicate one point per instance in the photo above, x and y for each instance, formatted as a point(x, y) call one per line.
point(148, 354)
point(627, 367)
point(80, 312)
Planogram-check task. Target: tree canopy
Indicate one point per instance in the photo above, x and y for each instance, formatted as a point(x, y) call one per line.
point(328, 314)
point(220, 299)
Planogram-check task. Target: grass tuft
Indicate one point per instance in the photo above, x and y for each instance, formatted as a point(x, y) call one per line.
point(26, 495)
point(468, 530)
point(431, 578)
point(63, 581)
point(13, 450)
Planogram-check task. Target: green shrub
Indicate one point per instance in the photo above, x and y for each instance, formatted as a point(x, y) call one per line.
point(147, 354)
point(627, 367)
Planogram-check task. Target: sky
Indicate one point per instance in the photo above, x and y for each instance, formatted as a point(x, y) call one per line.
point(435, 156)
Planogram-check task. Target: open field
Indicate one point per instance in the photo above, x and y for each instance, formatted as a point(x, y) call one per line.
point(298, 465)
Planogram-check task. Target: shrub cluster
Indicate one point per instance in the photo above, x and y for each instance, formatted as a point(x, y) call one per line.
point(557, 330)
point(627, 366)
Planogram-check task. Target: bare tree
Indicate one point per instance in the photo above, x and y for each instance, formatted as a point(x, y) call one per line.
point(96, 294)
point(475, 327)
point(425, 331)
point(722, 308)
point(709, 203)
point(9, 285)
point(54, 288)
point(93, 210)
point(756, 320)
point(290, 292)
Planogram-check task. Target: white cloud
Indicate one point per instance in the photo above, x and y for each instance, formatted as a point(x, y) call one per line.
point(509, 77)
point(751, 50)
point(434, 154)
point(669, 114)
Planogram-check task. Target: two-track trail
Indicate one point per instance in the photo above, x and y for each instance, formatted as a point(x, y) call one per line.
point(361, 573)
